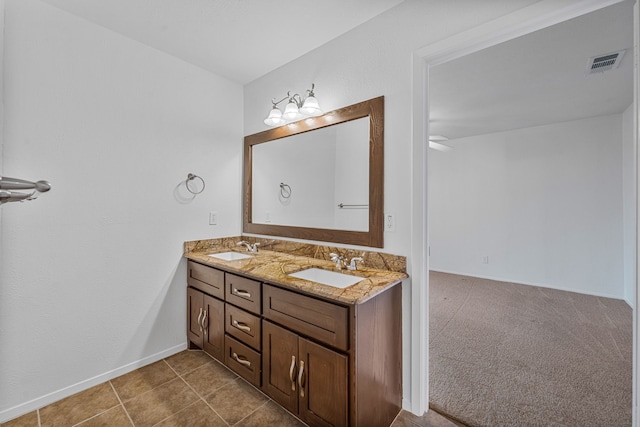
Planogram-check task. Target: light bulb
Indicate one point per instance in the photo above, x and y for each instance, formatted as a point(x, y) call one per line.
point(291, 112)
point(274, 118)
point(311, 107)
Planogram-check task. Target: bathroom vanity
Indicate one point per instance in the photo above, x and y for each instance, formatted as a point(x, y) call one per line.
point(331, 356)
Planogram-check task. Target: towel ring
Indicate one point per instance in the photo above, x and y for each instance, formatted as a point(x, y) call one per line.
point(190, 178)
point(285, 190)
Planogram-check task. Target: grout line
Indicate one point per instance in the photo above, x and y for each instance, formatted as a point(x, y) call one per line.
point(198, 394)
point(38, 413)
point(122, 404)
point(252, 412)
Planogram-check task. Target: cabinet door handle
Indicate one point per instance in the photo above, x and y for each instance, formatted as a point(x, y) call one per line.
point(241, 293)
point(204, 321)
point(240, 361)
point(301, 378)
point(199, 319)
point(241, 326)
point(292, 374)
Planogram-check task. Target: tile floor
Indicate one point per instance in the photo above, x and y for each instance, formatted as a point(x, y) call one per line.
point(187, 389)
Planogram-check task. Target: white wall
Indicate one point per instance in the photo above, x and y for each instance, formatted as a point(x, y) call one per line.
point(543, 203)
point(372, 60)
point(629, 203)
point(310, 183)
point(351, 186)
point(91, 276)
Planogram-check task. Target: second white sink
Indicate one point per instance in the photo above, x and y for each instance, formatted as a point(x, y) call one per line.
point(229, 256)
point(326, 277)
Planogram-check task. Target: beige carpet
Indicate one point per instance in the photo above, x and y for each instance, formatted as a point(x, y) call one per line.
point(504, 354)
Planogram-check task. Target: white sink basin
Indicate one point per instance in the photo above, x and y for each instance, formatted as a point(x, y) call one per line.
point(230, 256)
point(326, 277)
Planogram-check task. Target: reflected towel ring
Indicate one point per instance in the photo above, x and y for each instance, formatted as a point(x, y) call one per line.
point(285, 190)
point(190, 178)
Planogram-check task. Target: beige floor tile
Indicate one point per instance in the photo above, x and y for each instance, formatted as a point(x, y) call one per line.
point(188, 360)
point(196, 415)
point(268, 415)
point(114, 417)
point(235, 401)
point(79, 407)
point(142, 380)
point(27, 420)
point(154, 406)
point(208, 378)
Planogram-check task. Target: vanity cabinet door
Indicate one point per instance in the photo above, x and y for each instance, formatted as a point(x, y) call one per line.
point(304, 377)
point(280, 365)
point(213, 326)
point(205, 323)
point(195, 312)
point(322, 385)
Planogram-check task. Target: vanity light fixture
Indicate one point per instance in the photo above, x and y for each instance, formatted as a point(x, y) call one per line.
point(297, 108)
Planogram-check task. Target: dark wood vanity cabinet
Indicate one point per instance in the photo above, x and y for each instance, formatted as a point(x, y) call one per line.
point(307, 379)
point(331, 364)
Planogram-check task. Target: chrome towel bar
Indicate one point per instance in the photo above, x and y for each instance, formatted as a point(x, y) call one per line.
point(9, 185)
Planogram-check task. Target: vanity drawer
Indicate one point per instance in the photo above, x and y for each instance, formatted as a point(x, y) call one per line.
point(207, 279)
point(242, 360)
point(243, 292)
point(321, 320)
point(244, 326)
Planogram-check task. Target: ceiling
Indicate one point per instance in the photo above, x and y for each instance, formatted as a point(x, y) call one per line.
point(536, 79)
point(533, 80)
point(237, 39)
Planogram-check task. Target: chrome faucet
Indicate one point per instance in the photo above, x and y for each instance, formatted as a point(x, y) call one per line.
point(339, 260)
point(249, 246)
point(352, 265)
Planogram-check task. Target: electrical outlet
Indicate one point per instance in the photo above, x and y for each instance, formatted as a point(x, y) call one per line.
point(267, 216)
point(213, 218)
point(389, 222)
point(485, 259)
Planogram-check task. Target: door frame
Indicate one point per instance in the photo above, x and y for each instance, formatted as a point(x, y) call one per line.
point(538, 16)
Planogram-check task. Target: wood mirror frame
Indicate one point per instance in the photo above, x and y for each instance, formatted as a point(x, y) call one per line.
point(374, 109)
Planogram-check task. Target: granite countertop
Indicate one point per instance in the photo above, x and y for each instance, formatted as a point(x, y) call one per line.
point(274, 267)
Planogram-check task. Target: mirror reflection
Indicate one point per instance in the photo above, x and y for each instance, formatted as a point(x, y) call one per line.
point(314, 179)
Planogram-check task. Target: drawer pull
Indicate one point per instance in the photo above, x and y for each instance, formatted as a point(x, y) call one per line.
point(301, 378)
point(292, 375)
point(241, 293)
point(240, 361)
point(199, 319)
point(241, 326)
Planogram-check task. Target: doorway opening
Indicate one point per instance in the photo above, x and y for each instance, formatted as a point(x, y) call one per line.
point(491, 259)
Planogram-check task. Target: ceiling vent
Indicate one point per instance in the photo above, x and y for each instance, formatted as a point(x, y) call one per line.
point(606, 62)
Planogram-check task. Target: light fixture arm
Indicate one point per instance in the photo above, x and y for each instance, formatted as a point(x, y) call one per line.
point(310, 91)
point(275, 103)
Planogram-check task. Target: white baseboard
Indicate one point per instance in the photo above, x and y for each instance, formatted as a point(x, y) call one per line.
point(37, 403)
point(406, 404)
point(629, 303)
point(541, 285)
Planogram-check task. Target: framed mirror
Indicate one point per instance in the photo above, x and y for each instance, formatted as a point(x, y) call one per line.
point(320, 178)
